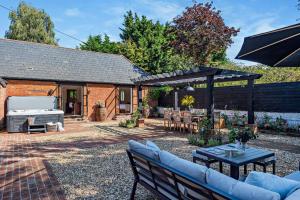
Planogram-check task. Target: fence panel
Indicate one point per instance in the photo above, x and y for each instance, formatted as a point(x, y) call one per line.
point(274, 97)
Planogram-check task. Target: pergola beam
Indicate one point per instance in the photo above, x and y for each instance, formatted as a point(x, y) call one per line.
point(216, 80)
point(177, 75)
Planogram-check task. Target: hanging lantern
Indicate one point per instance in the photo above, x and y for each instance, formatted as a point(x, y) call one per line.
point(189, 88)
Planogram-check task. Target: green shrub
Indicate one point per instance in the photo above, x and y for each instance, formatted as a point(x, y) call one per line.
point(280, 124)
point(213, 142)
point(155, 93)
point(195, 139)
point(131, 123)
point(232, 134)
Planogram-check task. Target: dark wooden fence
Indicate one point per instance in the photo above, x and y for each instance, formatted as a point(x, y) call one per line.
point(274, 97)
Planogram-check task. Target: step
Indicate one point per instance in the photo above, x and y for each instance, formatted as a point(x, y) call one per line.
point(122, 117)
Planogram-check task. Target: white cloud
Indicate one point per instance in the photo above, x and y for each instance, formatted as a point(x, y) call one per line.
point(72, 12)
point(162, 10)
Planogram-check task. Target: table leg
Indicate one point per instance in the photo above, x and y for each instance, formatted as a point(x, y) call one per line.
point(234, 172)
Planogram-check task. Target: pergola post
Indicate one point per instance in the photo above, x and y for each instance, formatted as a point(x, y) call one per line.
point(250, 86)
point(139, 98)
point(210, 97)
point(176, 99)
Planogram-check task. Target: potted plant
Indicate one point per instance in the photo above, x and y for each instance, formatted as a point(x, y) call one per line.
point(137, 118)
point(146, 107)
point(188, 101)
point(244, 135)
point(100, 111)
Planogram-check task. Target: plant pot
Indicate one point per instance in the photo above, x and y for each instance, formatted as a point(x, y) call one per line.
point(140, 123)
point(267, 126)
point(101, 114)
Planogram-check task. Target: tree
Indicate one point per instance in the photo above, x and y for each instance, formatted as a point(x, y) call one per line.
point(31, 24)
point(146, 44)
point(201, 32)
point(96, 43)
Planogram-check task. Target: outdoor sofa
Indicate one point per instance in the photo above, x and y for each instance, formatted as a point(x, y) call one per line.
point(170, 177)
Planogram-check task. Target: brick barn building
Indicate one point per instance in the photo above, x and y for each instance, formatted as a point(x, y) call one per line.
point(73, 76)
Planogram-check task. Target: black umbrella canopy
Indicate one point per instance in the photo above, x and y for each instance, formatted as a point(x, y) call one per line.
point(278, 48)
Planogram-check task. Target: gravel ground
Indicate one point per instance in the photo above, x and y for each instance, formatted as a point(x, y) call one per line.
point(104, 173)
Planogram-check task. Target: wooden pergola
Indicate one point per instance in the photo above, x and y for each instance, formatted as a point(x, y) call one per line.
point(202, 75)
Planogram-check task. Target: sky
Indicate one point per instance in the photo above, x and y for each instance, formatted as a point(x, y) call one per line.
point(81, 18)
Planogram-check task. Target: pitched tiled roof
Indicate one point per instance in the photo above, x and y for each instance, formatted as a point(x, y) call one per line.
point(27, 60)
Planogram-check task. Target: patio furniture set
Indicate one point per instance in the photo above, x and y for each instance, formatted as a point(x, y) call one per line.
point(170, 177)
point(182, 120)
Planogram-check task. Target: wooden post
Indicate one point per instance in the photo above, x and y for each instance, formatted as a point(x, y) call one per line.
point(139, 98)
point(176, 99)
point(250, 101)
point(210, 97)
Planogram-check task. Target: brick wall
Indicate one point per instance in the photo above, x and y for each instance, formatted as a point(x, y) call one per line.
point(102, 92)
point(2, 106)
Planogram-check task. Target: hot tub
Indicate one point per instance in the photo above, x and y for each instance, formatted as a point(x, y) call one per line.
point(41, 108)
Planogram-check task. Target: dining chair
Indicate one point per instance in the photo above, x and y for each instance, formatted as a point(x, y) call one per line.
point(187, 120)
point(176, 115)
point(168, 119)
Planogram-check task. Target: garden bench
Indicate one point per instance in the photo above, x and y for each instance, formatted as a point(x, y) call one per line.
point(168, 183)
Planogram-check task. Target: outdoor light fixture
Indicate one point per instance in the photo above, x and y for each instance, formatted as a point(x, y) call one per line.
point(189, 88)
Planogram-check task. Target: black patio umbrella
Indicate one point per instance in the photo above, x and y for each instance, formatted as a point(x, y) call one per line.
point(277, 48)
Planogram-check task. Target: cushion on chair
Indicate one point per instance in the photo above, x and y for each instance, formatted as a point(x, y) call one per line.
point(143, 149)
point(294, 196)
point(282, 186)
point(237, 188)
point(152, 145)
point(294, 176)
point(186, 167)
